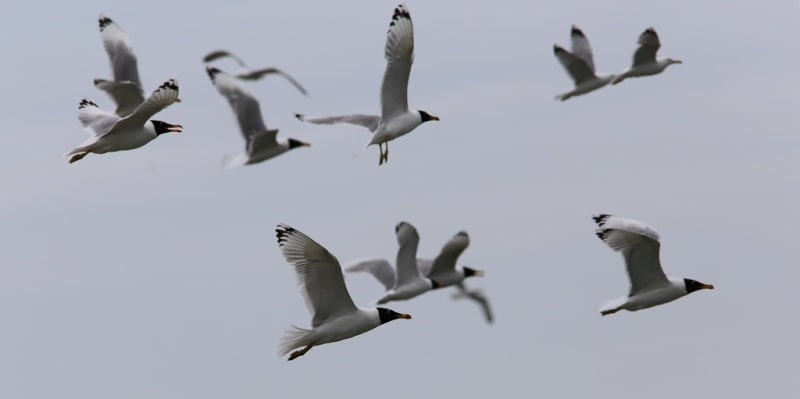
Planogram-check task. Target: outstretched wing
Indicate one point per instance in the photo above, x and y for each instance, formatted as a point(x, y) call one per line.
point(478, 297)
point(96, 121)
point(318, 275)
point(445, 262)
point(399, 53)
point(162, 97)
point(577, 67)
point(120, 52)
point(581, 47)
point(260, 73)
point(408, 239)
point(214, 55)
point(368, 121)
point(244, 106)
point(640, 247)
point(648, 47)
point(381, 269)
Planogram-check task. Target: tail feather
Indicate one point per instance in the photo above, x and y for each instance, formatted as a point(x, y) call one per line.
point(618, 78)
point(612, 306)
point(294, 337)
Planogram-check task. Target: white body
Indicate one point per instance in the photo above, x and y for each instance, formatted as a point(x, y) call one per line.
point(586, 87)
point(675, 289)
point(407, 291)
point(346, 326)
point(644, 58)
point(395, 127)
point(131, 139)
point(579, 64)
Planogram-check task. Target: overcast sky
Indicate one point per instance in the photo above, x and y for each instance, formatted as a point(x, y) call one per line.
point(154, 273)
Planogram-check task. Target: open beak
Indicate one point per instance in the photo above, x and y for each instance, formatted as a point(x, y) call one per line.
point(707, 286)
point(175, 128)
point(404, 316)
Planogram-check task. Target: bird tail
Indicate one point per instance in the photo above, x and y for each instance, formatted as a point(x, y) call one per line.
point(294, 337)
point(612, 306)
point(563, 97)
point(234, 161)
point(618, 78)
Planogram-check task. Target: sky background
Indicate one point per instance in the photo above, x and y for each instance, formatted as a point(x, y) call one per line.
point(154, 273)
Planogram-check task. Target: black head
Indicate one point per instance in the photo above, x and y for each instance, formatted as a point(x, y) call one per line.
point(212, 72)
point(387, 315)
point(297, 143)
point(469, 272)
point(427, 117)
point(692, 285)
point(164, 127)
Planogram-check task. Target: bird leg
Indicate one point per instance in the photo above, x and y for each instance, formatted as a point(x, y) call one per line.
point(78, 157)
point(301, 352)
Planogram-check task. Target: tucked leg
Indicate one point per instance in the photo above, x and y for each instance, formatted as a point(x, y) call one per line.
point(301, 352)
point(78, 157)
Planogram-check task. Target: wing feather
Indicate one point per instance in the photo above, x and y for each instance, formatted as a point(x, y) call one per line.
point(648, 47)
point(381, 269)
point(445, 262)
point(399, 53)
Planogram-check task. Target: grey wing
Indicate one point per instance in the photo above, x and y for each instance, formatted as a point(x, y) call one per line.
point(399, 53)
point(640, 248)
point(120, 52)
point(581, 47)
point(424, 266)
point(260, 141)
point(126, 95)
point(648, 47)
point(577, 67)
point(381, 269)
point(162, 97)
point(445, 262)
point(408, 239)
point(244, 105)
point(217, 54)
point(478, 296)
point(368, 121)
point(318, 275)
point(259, 73)
point(96, 121)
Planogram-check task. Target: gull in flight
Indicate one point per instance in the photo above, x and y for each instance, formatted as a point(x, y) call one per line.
point(334, 315)
point(110, 132)
point(395, 120)
point(639, 245)
point(644, 59)
point(406, 282)
point(252, 74)
point(261, 143)
point(580, 65)
point(126, 88)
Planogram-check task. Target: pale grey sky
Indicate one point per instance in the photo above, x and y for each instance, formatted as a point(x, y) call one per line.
point(154, 273)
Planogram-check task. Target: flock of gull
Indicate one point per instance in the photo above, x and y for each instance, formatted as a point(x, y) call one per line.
point(335, 316)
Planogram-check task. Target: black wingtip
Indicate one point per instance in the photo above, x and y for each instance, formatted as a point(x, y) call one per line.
point(104, 21)
point(170, 84)
point(283, 232)
point(86, 103)
point(576, 31)
point(602, 234)
point(558, 49)
point(300, 117)
point(400, 12)
point(601, 219)
point(212, 72)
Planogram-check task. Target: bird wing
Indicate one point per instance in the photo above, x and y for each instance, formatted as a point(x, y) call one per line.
point(162, 97)
point(479, 297)
point(246, 108)
point(318, 275)
point(408, 239)
point(368, 121)
point(259, 73)
point(445, 262)
point(127, 95)
point(639, 245)
point(576, 66)
point(581, 47)
point(648, 47)
point(381, 269)
point(399, 53)
point(120, 52)
point(222, 54)
point(424, 266)
point(96, 121)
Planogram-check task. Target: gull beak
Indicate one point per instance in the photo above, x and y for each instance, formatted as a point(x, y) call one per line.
point(707, 286)
point(306, 144)
point(434, 118)
point(678, 62)
point(404, 316)
point(479, 273)
point(175, 128)
point(177, 100)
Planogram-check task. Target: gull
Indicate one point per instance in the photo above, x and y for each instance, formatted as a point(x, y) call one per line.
point(395, 119)
point(478, 296)
point(640, 247)
point(126, 88)
point(644, 59)
point(405, 283)
point(580, 65)
point(334, 315)
point(261, 142)
point(110, 132)
point(252, 74)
